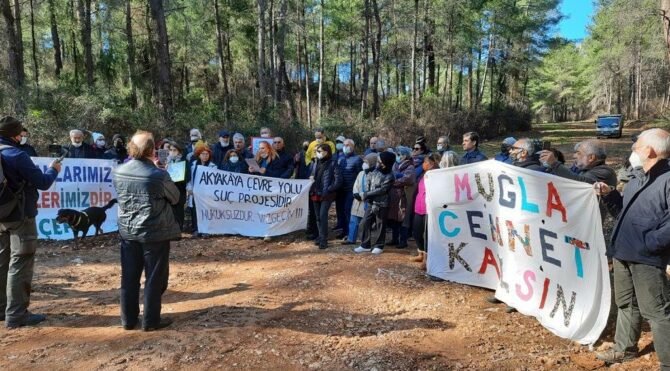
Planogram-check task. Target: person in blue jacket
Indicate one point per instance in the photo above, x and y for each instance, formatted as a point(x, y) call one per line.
point(350, 165)
point(471, 148)
point(505, 147)
point(18, 230)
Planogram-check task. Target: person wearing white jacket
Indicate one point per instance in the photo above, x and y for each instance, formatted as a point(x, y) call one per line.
point(358, 207)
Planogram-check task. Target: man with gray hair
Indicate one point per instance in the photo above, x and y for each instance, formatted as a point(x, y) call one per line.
point(146, 226)
point(640, 250)
point(78, 148)
point(523, 155)
point(590, 156)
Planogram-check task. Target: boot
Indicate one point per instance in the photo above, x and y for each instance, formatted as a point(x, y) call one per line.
point(418, 258)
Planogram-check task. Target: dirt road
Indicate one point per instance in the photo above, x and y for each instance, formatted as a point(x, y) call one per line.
point(243, 303)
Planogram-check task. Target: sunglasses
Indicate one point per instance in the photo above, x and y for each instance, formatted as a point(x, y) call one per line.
point(417, 148)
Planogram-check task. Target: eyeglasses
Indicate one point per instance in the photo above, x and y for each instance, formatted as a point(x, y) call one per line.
point(417, 148)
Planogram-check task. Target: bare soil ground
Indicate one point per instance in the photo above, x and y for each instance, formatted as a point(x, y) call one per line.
point(241, 303)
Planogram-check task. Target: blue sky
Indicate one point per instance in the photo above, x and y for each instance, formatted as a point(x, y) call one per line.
point(577, 17)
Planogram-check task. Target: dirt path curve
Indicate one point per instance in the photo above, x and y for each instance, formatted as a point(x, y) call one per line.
point(242, 303)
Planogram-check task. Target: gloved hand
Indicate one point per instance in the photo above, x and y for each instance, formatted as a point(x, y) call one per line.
point(358, 197)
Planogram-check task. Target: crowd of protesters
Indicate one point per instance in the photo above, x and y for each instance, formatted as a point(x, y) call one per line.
point(374, 189)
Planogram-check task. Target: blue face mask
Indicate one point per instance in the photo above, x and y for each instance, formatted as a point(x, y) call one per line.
point(398, 159)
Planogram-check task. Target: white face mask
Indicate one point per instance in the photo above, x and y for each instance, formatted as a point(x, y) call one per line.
point(224, 142)
point(440, 147)
point(265, 135)
point(24, 140)
point(635, 160)
point(366, 166)
point(319, 155)
point(77, 145)
point(234, 159)
point(346, 150)
point(100, 143)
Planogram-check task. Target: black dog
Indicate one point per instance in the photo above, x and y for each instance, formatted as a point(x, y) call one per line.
point(81, 221)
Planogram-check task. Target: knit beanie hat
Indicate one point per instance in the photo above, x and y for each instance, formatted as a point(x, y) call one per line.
point(10, 127)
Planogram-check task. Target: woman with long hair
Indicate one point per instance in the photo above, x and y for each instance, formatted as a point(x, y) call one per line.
point(268, 161)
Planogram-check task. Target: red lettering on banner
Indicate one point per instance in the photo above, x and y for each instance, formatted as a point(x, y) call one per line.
point(489, 259)
point(554, 202)
point(545, 290)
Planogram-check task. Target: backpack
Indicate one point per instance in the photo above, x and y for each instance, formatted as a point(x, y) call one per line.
point(9, 200)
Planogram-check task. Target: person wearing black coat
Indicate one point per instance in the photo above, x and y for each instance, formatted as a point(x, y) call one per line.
point(220, 148)
point(118, 150)
point(24, 146)
point(285, 159)
point(177, 155)
point(78, 148)
point(327, 181)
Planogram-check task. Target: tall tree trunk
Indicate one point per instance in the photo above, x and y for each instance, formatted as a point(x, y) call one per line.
point(272, 71)
point(307, 77)
point(58, 60)
point(470, 87)
point(333, 83)
point(322, 62)
point(73, 41)
point(665, 17)
point(19, 41)
point(162, 60)
point(36, 72)
point(282, 75)
point(414, 35)
point(352, 71)
point(13, 54)
point(376, 56)
point(222, 59)
point(84, 7)
point(365, 72)
point(130, 54)
point(262, 88)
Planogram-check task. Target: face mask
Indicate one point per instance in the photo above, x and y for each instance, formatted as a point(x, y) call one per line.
point(440, 147)
point(319, 155)
point(504, 148)
point(398, 159)
point(265, 135)
point(224, 142)
point(77, 145)
point(264, 155)
point(366, 166)
point(194, 138)
point(635, 160)
point(234, 159)
point(101, 143)
point(346, 150)
point(24, 140)
point(339, 146)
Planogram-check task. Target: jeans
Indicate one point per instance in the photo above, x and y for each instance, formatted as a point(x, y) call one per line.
point(642, 290)
point(154, 259)
point(343, 203)
point(374, 227)
point(420, 232)
point(18, 243)
point(354, 221)
point(321, 212)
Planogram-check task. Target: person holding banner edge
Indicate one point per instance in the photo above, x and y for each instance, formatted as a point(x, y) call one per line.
point(640, 250)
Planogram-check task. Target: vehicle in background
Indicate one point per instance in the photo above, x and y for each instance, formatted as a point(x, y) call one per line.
point(609, 126)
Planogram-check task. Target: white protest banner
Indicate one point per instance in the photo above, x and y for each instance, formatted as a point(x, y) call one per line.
point(81, 183)
point(533, 237)
point(249, 205)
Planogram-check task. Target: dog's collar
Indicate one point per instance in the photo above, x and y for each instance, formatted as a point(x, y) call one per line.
point(76, 224)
